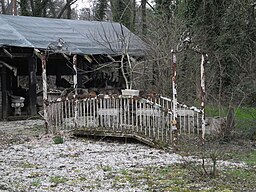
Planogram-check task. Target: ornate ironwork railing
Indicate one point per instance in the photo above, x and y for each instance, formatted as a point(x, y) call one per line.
point(147, 117)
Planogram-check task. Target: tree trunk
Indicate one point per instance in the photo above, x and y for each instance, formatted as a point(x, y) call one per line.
point(23, 8)
point(134, 15)
point(68, 10)
point(69, 3)
point(14, 7)
point(3, 7)
point(143, 16)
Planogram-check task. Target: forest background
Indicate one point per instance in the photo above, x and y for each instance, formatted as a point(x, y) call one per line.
point(224, 29)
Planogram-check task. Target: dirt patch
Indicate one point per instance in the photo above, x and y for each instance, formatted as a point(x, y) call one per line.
point(16, 132)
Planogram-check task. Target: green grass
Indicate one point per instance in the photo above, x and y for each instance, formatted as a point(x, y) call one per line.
point(167, 178)
point(247, 157)
point(245, 117)
point(58, 179)
point(248, 113)
point(27, 165)
point(106, 168)
point(36, 183)
point(214, 111)
point(58, 139)
point(241, 174)
point(182, 178)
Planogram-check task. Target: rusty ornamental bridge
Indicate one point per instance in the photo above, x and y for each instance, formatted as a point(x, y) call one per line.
point(149, 120)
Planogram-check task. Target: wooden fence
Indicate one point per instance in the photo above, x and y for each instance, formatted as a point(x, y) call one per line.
point(150, 118)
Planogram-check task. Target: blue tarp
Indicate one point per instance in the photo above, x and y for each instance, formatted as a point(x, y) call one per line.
point(80, 37)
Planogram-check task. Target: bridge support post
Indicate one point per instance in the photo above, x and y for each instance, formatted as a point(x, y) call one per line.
point(203, 61)
point(174, 126)
point(75, 88)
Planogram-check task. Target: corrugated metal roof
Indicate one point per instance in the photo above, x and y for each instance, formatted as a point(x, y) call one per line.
point(80, 37)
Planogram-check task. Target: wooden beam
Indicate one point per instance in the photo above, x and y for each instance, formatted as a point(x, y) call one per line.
point(4, 94)
point(45, 97)
point(32, 86)
point(15, 55)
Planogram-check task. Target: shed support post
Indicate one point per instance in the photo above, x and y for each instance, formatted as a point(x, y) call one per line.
point(75, 88)
point(203, 92)
point(32, 86)
point(4, 94)
point(45, 99)
point(174, 99)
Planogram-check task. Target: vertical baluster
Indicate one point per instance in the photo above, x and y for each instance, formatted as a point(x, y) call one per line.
point(169, 105)
point(189, 128)
point(110, 111)
point(65, 114)
point(141, 120)
point(180, 119)
point(59, 115)
point(127, 101)
point(80, 115)
point(90, 110)
point(193, 122)
point(145, 120)
point(125, 112)
point(184, 121)
point(101, 115)
point(105, 116)
point(113, 119)
point(69, 113)
point(92, 115)
point(132, 114)
point(62, 113)
point(136, 115)
point(86, 114)
point(119, 113)
point(83, 112)
point(157, 119)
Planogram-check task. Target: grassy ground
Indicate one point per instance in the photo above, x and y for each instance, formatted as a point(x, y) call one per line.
point(183, 178)
point(245, 118)
point(192, 176)
point(188, 176)
point(243, 113)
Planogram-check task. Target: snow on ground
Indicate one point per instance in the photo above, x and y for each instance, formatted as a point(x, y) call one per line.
point(22, 165)
point(75, 165)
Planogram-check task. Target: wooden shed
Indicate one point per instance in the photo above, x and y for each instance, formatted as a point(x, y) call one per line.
point(95, 44)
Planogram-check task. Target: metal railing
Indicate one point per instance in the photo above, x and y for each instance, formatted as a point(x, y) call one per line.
point(147, 117)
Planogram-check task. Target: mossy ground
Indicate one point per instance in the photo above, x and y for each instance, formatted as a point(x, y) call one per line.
point(185, 179)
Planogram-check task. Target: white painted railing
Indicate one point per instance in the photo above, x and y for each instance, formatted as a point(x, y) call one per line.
point(147, 117)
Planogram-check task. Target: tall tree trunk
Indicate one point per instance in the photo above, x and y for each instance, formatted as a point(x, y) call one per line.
point(14, 7)
point(122, 12)
point(143, 16)
point(100, 9)
point(31, 5)
point(3, 7)
point(23, 8)
point(69, 3)
point(39, 7)
point(68, 10)
point(133, 15)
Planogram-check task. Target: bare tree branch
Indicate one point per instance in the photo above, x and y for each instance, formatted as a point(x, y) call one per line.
point(69, 3)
